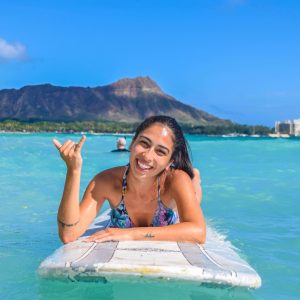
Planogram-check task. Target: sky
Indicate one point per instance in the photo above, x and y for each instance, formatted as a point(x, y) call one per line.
point(235, 59)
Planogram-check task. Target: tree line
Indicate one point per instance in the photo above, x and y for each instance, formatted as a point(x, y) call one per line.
point(122, 127)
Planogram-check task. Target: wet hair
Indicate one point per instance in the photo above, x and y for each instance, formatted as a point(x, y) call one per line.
point(180, 156)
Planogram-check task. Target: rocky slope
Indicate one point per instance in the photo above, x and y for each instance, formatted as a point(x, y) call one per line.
point(127, 100)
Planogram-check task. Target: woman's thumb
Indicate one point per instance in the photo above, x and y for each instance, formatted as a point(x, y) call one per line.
point(81, 142)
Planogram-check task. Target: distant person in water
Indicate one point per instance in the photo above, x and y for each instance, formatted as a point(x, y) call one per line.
point(155, 196)
point(121, 145)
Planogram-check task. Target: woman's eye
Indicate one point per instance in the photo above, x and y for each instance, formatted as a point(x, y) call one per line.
point(144, 144)
point(161, 153)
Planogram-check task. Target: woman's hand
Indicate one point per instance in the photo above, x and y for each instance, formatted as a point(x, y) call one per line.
point(70, 152)
point(110, 234)
point(197, 185)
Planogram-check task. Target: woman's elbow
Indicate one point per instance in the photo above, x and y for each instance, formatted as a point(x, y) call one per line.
point(67, 238)
point(202, 238)
point(199, 235)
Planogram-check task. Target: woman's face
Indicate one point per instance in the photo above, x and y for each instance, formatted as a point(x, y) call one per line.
point(152, 150)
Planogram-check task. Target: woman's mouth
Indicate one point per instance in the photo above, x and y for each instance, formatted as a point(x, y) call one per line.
point(142, 166)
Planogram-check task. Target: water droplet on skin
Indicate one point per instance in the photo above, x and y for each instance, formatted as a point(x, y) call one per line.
point(164, 132)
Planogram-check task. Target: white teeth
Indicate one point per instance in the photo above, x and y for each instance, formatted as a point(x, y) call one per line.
point(142, 166)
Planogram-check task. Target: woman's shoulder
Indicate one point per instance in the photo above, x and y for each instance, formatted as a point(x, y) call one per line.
point(175, 181)
point(110, 177)
point(175, 177)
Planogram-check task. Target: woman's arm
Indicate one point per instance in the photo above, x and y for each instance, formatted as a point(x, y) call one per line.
point(197, 185)
point(74, 217)
point(85, 212)
point(181, 232)
point(68, 215)
point(190, 229)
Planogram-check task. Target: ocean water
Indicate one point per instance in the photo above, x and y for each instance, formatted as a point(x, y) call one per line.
point(251, 195)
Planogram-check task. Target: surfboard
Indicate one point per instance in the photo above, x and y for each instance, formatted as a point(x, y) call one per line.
point(215, 262)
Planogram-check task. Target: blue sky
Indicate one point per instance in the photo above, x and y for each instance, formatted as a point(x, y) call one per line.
point(236, 59)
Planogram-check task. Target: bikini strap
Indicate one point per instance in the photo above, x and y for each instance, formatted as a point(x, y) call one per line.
point(124, 181)
point(158, 188)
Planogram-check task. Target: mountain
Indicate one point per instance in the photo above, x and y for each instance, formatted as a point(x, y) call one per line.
point(127, 100)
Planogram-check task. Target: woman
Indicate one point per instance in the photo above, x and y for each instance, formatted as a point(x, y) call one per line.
point(155, 197)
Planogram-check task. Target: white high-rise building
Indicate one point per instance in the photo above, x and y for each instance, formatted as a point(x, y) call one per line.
point(291, 127)
point(297, 127)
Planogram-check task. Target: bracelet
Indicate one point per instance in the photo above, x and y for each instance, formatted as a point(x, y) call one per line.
point(67, 225)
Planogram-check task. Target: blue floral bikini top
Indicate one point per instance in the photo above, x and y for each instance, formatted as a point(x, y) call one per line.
point(119, 217)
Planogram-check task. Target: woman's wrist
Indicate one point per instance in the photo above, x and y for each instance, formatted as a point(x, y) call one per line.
point(141, 233)
point(134, 233)
point(72, 170)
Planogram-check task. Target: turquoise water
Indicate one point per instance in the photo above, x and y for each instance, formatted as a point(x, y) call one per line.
point(251, 195)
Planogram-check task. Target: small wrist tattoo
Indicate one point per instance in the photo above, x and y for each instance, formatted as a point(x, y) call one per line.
point(149, 235)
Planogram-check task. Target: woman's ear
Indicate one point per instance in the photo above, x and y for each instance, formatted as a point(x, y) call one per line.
point(170, 164)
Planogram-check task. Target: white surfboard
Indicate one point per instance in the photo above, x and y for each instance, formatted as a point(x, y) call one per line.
point(214, 262)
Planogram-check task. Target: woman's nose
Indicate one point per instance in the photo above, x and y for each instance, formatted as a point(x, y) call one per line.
point(148, 155)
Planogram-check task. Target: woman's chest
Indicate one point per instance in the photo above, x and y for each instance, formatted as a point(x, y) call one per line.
point(143, 211)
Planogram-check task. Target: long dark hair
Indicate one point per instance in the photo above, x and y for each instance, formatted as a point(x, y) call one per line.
point(180, 156)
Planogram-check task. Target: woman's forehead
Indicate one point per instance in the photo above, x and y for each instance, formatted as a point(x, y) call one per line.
point(159, 132)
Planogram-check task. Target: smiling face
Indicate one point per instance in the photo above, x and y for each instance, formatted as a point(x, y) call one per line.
point(152, 150)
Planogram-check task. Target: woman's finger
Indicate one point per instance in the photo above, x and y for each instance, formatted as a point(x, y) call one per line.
point(106, 240)
point(57, 144)
point(99, 235)
point(72, 150)
point(69, 148)
point(65, 145)
point(80, 144)
point(96, 236)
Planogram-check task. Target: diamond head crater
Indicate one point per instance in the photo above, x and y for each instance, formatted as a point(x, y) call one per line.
point(116, 107)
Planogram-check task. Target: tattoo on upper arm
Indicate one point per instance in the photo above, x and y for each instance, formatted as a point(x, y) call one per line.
point(149, 235)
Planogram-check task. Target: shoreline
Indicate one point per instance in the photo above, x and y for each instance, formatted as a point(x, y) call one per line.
point(228, 136)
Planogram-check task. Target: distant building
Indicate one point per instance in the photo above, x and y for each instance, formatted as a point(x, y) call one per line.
point(291, 127)
point(297, 127)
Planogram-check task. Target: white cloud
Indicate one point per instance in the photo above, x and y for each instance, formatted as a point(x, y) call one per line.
point(10, 52)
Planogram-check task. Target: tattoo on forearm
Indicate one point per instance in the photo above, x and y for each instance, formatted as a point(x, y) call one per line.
point(149, 235)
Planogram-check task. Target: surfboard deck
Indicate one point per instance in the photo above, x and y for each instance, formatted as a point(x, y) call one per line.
point(214, 262)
